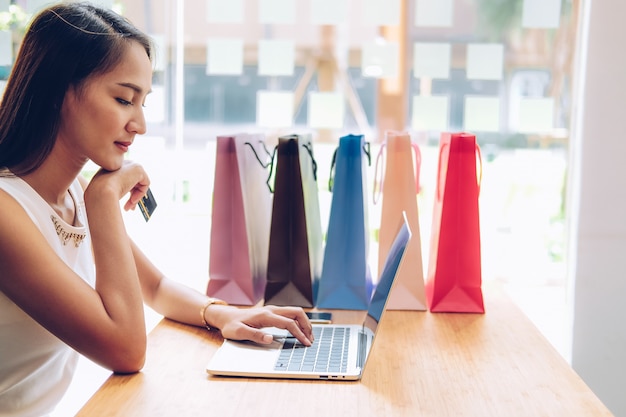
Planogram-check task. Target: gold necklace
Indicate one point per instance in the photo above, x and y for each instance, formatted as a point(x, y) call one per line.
point(66, 236)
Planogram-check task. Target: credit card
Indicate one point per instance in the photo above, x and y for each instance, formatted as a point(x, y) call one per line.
point(147, 205)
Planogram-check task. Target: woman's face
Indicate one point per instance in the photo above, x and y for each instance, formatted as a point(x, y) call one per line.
point(99, 121)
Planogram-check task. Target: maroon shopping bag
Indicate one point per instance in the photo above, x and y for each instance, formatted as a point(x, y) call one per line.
point(295, 247)
point(240, 220)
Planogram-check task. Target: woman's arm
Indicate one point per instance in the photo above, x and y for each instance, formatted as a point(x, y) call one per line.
point(181, 303)
point(105, 324)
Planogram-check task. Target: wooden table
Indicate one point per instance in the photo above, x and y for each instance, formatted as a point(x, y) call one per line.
point(424, 364)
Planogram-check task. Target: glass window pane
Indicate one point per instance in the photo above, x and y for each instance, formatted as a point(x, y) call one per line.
point(274, 109)
point(485, 61)
point(431, 60)
point(380, 60)
point(541, 13)
point(326, 110)
point(219, 11)
point(434, 13)
point(276, 57)
point(482, 114)
point(430, 113)
point(329, 12)
point(381, 12)
point(225, 57)
point(277, 11)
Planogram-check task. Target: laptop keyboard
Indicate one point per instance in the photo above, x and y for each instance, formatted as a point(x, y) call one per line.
point(328, 353)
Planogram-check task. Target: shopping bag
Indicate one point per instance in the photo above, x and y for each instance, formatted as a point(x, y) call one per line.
point(453, 282)
point(295, 239)
point(346, 281)
point(240, 220)
point(399, 187)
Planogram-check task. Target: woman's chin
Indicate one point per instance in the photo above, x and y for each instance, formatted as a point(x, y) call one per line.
point(110, 165)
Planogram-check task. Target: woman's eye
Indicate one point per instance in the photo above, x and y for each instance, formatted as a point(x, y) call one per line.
point(124, 102)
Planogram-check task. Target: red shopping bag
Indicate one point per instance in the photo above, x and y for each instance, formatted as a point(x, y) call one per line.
point(399, 188)
point(240, 220)
point(454, 271)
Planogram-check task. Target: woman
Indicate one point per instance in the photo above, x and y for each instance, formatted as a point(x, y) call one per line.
point(70, 278)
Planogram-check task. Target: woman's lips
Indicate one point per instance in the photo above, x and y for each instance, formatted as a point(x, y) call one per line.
point(123, 145)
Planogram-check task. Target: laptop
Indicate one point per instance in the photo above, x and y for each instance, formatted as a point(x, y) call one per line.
point(339, 351)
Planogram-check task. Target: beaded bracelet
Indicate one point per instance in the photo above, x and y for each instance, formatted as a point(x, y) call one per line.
point(209, 302)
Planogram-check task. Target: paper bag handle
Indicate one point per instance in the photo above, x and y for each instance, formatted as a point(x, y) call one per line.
point(331, 177)
point(379, 181)
point(418, 166)
point(309, 150)
point(271, 165)
point(480, 171)
point(480, 163)
point(256, 155)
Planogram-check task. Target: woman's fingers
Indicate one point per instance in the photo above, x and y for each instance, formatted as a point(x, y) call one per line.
point(250, 324)
point(129, 179)
point(294, 320)
point(136, 194)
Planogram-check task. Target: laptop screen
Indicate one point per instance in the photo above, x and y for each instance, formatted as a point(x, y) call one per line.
point(387, 277)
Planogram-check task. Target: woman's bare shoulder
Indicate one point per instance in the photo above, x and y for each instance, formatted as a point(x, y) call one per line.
point(9, 205)
point(16, 226)
point(22, 246)
point(21, 241)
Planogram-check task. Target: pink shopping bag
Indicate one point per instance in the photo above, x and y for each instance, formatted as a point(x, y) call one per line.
point(240, 220)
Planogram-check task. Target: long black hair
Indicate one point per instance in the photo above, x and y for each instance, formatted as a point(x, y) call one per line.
point(63, 46)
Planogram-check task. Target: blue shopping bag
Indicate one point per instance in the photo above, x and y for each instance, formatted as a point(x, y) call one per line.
point(346, 281)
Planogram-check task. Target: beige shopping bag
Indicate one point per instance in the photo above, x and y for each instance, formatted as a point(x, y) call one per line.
point(399, 187)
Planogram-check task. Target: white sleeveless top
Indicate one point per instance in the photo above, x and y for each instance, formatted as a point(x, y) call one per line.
point(35, 366)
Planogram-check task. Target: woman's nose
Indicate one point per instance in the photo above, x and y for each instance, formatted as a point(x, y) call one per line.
point(138, 123)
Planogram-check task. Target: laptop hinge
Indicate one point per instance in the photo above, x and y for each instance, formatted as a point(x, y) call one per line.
point(362, 353)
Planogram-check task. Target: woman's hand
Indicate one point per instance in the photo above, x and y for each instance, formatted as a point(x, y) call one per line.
point(245, 323)
point(130, 178)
